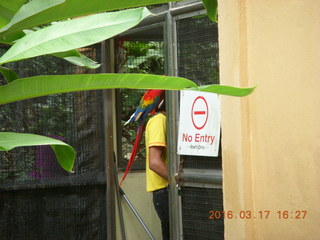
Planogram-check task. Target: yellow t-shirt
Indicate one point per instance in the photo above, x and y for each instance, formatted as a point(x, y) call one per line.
point(156, 136)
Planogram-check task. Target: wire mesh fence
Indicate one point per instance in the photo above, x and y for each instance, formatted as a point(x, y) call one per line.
point(198, 60)
point(134, 57)
point(196, 211)
point(198, 56)
point(39, 200)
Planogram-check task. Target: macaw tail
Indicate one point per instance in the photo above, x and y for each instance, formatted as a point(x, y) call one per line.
point(134, 152)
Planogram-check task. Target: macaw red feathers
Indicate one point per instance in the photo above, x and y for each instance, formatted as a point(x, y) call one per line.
point(149, 103)
point(134, 152)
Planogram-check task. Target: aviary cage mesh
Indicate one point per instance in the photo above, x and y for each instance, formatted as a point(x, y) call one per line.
point(38, 199)
point(196, 207)
point(198, 60)
point(134, 57)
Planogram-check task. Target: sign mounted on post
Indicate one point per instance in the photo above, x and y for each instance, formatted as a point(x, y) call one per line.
point(199, 124)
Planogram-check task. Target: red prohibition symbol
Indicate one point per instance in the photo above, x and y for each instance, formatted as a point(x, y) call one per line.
point(199, 112)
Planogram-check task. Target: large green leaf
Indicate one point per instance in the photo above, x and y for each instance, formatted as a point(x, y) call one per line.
point(10, 39)
point(8, 9)
point(212, 9)
point(72, 56)
point(69, 9)
point(64, 153)
point(8, 74)
point(225, 90)
point(45, 85)
point(77, 58)
point(30, 9)
point(76, 33)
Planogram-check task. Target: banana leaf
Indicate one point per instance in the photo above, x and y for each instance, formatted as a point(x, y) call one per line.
point(74, 57)
point(225, 90)
point(10, 39)
point(8, 74)
point(36, 15)
point(65, 154)
point(44, 85)
point(32, 87)
point(37, 12)
point(8, 9)
point(76, 33)
point(212, 9)
point(30, 9)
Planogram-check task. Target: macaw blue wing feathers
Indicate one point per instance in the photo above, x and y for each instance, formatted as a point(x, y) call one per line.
point(148, 104)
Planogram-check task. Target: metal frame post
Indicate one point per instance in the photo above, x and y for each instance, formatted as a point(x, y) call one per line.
point(172, 100)
point(107, 50)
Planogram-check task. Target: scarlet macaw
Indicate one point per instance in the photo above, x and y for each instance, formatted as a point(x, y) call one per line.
point(151, 100)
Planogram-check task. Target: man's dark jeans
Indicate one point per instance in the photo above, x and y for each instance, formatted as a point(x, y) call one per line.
point(161, 204)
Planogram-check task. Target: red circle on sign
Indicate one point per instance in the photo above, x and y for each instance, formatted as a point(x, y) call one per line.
point(204, 112)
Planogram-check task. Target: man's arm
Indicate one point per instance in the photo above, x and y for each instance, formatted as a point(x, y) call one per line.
point(156, 163)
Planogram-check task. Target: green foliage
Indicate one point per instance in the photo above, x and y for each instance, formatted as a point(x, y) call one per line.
point(26, 88)
point(138, 48)
point(141, 57)
point(59, 39)
point(63, 151)
point(144, 57)
point(16, 17)
point(38, 12)
point(152, 64)
point(224, 90)
point(212, 9)
point(76, 33)
point(8, 74)
point(74, 57)
point(199, 54)
point(8, 10)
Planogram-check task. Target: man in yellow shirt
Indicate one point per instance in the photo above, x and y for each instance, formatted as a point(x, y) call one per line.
point(156, 167)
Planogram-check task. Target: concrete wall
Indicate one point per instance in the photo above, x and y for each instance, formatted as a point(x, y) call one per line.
point(135, 189)
point(271, 139)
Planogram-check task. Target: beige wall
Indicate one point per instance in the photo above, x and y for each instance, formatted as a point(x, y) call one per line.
point(271, 139)
point(135, 189)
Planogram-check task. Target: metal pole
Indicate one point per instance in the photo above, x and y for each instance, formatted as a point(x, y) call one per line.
point(172, 101)
point(136, 214)
point(107, 56)
point(116, 184)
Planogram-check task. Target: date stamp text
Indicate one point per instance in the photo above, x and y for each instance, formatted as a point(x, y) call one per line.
point(263, 214)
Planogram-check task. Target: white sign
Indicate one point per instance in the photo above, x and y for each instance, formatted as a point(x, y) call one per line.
point(199, 125)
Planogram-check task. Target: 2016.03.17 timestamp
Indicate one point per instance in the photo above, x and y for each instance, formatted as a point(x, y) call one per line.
point(264, 214)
